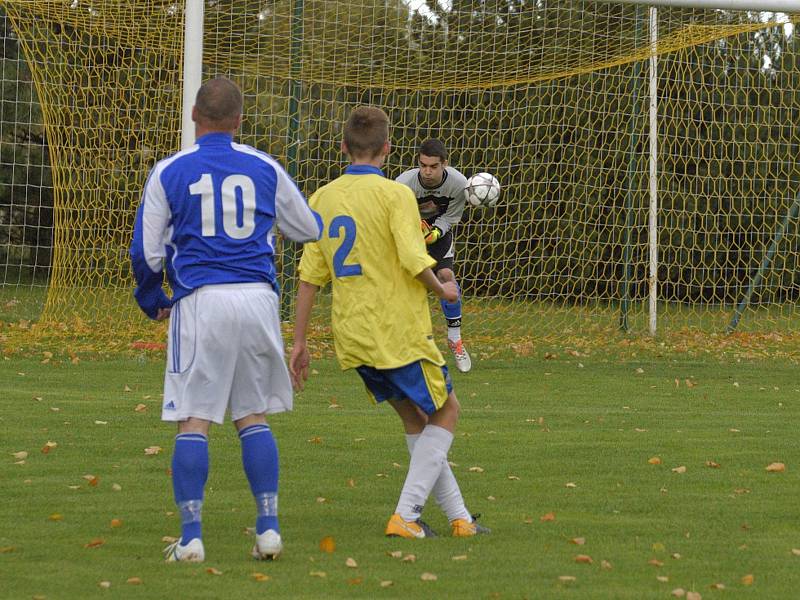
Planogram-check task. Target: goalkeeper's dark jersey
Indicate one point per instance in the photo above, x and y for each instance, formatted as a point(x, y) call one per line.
point(443, 205)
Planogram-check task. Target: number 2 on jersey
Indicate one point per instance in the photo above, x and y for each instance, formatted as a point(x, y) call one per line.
point(204, 187)
point(343, 222)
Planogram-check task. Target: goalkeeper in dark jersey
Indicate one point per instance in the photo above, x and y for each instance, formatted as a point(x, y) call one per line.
point(440, 195)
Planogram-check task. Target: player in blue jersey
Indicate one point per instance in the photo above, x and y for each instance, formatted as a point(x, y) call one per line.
point(439, 189)
point(373, 254)
point(207, 213)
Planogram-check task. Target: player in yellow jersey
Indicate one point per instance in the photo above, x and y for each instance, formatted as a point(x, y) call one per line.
point(373, 253)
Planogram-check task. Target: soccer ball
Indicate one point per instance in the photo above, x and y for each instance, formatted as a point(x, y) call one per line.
point(482, 190)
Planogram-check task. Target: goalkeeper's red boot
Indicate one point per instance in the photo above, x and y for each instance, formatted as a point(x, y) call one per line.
point(463, 361)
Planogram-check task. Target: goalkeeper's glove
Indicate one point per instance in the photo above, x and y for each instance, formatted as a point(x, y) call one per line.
point(432, 234)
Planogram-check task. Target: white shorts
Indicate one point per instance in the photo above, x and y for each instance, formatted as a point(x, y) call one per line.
point(225, 349)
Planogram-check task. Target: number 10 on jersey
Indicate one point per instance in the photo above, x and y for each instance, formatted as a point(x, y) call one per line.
point(231, 215)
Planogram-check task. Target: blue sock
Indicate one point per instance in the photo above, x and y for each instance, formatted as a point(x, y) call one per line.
point(189, 475)
point(452, 310)
point(260, 460)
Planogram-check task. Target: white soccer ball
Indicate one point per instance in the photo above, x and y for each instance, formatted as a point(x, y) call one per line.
point(482, 190)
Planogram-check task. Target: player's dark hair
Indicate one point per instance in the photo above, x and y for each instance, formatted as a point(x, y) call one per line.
point(433, 147)
point(366, 132)
point(219, 102)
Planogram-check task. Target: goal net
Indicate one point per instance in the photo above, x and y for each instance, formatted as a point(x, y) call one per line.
point(553, 98)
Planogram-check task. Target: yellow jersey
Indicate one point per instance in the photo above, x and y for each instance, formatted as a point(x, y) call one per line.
point(371, 250)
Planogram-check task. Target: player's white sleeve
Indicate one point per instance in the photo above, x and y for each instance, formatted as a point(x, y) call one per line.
point(148, 248)
point(294, 217)
point(455, 209)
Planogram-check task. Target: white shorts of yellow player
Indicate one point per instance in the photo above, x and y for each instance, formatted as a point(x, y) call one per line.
point(225, 352)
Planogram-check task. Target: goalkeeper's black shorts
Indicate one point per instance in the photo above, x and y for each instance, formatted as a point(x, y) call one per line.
point(442, 252)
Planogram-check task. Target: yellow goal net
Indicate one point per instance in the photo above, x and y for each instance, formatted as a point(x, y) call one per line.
point(648, 159)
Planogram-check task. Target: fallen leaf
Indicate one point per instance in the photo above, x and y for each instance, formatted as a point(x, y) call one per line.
point(712, 464)
point(116, 487)
point(639, 370)
point(20, 455)
point(410, 558)
point(168, 539)
point(48, 447)
point(318, 574)
point(152, 450)
point(796, 551)
point(460, 557)
point(655, 460)
point(680, 469)
point(104, 584)
point(776, 467)
point(655, 562)
point(95, 543)
point(7, 549)
point(260, 577)
point(386, 583)
point(350, 562)
point(56, 517)
point(662, 578)
point(315, 440)
point(693, 596)
point(476, 469)
point(570, 485)
point(351, 483)
point(513, 477)
point(604, 564)
point(578, 541)
point(93, 481)
point(395, 554)
point(717, 586)
point(134, 580)
point(116, 523)
point(321, 500)
point(748, 579)
point(327, 544)
point(566, 578)
point(428, 577)
point(213, 571)
point(548, 517)
point(355, 581)
point(679, 592)
point(127, 389)
point(584, 559)
point(101, 422)
point(140, 408)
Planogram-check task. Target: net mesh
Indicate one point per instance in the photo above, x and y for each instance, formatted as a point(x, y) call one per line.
point(550, 97)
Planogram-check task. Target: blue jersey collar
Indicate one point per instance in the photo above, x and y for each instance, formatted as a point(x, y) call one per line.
point(215, 137)
point(363, 170)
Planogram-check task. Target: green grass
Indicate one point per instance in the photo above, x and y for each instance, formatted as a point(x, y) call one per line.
point(533, 425)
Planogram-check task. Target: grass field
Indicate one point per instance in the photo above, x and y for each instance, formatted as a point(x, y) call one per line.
point(563, 445)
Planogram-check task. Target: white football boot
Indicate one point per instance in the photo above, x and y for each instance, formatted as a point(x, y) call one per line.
point(463, 361)
point(268, 545)
point(191, 552)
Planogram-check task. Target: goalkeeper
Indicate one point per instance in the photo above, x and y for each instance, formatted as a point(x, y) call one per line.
point(439, 189)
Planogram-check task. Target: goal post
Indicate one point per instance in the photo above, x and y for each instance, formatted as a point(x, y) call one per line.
point(561, 101)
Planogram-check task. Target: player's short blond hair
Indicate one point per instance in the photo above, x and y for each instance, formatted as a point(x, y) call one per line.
point(366, 132)
point(219, 103)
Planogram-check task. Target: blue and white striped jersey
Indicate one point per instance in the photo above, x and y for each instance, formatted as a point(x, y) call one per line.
point(208, 212)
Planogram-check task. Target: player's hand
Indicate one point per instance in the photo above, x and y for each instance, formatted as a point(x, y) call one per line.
point(298, 364)
point(163, 313)
point(450, 291)
point(432, 234)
